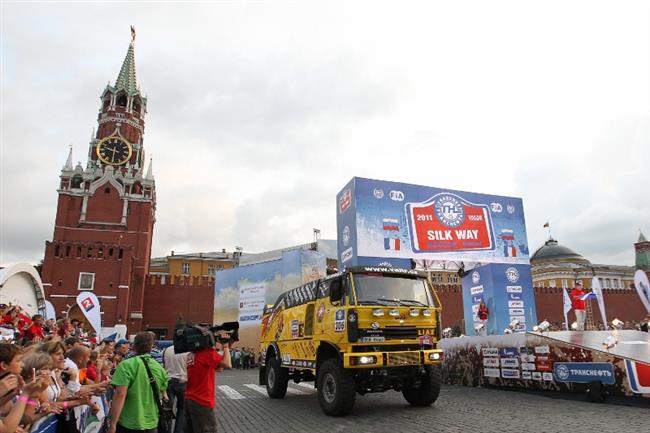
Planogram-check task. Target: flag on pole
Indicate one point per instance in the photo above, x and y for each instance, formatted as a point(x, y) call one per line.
point(546, 225)
point(598, 293)
point(588, 296)
point(567, 307)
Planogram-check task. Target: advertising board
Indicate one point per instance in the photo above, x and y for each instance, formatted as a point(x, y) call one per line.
point(381, 220)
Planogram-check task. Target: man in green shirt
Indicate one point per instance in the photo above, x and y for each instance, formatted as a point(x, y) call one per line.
point(133, 408)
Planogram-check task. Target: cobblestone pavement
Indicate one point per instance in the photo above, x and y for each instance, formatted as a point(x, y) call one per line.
point(243, 406)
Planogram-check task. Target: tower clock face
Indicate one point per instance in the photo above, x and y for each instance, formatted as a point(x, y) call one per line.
point(114, 150)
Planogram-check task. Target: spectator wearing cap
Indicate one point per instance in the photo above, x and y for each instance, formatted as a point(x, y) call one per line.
point(122, 347)
point(578, 305)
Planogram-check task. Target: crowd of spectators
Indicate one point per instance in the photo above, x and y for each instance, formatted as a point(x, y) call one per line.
point(49, 367)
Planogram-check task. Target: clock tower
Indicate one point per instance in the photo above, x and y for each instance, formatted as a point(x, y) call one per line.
point(106, 211)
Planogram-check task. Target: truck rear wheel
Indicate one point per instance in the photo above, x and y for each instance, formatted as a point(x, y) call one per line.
point(277, 379)
point(336, 389)
point(428, 390)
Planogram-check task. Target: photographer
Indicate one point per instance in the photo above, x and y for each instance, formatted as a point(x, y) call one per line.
point(202, 366)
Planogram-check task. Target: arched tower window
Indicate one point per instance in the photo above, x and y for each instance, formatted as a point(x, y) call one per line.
point(122, 99)
point(76, 181)
point(137, 104)
point(107, 102)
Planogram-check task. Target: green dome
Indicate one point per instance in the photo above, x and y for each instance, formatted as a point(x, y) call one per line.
point(552, 251)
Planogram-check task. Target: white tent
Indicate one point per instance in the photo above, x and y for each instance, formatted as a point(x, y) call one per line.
point(21, 285)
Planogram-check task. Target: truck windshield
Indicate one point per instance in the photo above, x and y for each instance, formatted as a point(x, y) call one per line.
point(382, 290)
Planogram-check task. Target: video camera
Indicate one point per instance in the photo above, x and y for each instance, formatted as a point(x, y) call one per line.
point(227, 332)
point(192, 338)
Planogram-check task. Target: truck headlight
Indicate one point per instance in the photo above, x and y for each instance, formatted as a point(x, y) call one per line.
point(378, 312)
point(434, 356)
point(394, 312)
point(426, 313)
point(414, 312)
point(367, 360)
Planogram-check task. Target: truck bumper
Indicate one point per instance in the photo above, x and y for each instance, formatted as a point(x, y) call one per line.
point(392, 359)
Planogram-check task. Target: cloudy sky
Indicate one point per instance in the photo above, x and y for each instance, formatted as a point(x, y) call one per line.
point(259, 113)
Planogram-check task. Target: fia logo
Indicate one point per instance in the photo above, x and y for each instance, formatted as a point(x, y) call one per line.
point(378, 193)
point(397, 195)
point(476, 277)
point(449, 211)
point(512, 274)
point(511, 208)
point(496, 207)
point(346, 236)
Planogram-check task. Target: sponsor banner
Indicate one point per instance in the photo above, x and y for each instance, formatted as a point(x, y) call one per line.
point(527, 358)
point(89, 305)
point(346, 255)
point(249, 317)
point(515, 304)
point(515, 296)
point(547, 377)
point(584, 372)
point(490, 351)
point(542, 366)
point(516, 312)
point(542, 358)
point(490, 362)
point(526, 350)
point(251, 304)
point(514, 289)
point(255, 291)
point(491, 372)
point(508, 351)
point(526, 375)
point(537, 375)
point(476, 290)
point(528, 366)
point(521, 319)
point(542, 349)
point(509, 362)
point(398, 220)
point(638, 376)
point(507, 373)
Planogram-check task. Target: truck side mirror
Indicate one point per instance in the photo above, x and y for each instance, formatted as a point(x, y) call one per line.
point(336, 291)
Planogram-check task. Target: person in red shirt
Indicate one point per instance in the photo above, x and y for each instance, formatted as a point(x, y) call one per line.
point(578, 305)
point(35, 332)
point(200, 416)
point(482, 314)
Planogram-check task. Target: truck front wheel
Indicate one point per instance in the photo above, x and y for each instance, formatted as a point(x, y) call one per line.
point(336, 390)
point(277, 379)
point(428, 389)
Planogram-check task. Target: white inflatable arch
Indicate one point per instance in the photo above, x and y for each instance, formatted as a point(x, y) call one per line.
point(21, 285)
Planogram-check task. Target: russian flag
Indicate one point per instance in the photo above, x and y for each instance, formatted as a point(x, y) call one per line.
point(588, 296)
point(391, 234)
point(507, 235)
point(638, 376)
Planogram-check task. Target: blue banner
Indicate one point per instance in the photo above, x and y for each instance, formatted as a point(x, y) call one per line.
point(383, 221)
point(584, 372)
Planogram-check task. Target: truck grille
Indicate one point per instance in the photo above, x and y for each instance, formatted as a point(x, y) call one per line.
point(395, 359)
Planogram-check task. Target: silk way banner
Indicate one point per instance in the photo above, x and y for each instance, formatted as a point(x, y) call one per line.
point(379, 220)
point(89, 305)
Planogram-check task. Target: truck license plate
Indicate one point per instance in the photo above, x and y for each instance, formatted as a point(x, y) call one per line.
point(372, 339)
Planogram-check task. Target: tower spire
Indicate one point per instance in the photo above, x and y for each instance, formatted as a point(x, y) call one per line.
point(149, 175)
point(126, 79)
point(68, 163)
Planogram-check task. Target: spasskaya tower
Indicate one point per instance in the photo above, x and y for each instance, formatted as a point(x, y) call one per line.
point(106, 211)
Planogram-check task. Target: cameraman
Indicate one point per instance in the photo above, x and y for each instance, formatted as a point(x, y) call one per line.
point(202, 366)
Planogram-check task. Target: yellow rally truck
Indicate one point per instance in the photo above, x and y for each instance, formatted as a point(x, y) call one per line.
point(368, 329)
